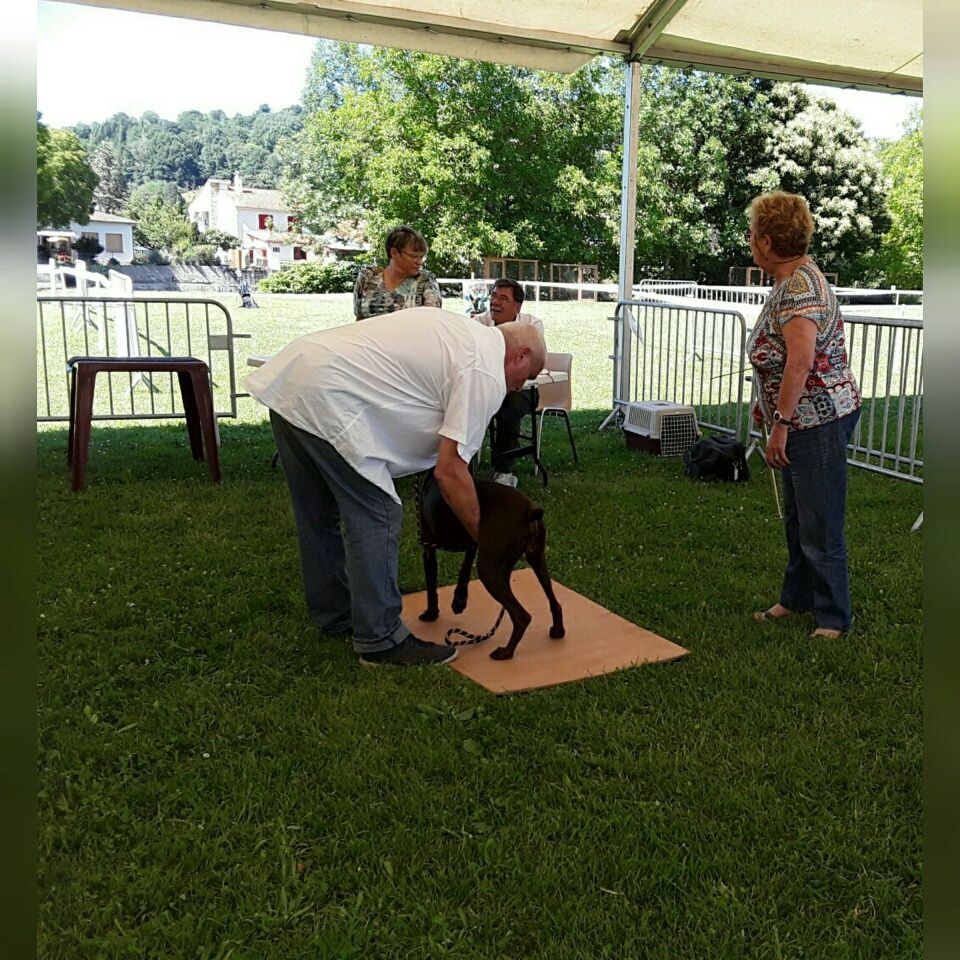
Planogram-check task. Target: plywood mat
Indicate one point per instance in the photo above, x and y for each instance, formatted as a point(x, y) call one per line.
point(596, 642)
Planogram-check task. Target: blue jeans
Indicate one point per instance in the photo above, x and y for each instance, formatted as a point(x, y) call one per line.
point(349, 533)
point(814, 504)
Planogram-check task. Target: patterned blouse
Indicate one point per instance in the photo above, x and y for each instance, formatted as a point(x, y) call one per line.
point(830, 391)
point(371, 298)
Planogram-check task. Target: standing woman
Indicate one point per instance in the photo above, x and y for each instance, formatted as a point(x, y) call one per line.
point(402, 283)
point(809, 398)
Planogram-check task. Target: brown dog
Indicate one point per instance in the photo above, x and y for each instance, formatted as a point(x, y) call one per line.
point(511, 526)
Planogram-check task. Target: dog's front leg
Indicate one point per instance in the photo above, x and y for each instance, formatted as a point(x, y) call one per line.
point(430, 574)
point(463, 580)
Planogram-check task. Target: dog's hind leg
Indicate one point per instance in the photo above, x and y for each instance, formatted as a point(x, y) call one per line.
point(536, 557)
point(430, 573)
point(463, 580)
point(495, 576)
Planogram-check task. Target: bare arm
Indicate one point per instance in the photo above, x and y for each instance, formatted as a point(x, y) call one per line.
point(431, 292)
point(800, 334)
point(457, 486)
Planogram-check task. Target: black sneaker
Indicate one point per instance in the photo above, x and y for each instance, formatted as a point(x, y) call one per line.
point(410, 653)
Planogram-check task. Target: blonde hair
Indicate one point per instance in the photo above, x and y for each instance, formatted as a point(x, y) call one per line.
point(786, 219)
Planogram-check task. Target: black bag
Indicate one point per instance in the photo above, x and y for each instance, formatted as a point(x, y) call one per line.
point(716, 458)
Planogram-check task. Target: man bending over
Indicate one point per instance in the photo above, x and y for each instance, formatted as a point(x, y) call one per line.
point(353, 408)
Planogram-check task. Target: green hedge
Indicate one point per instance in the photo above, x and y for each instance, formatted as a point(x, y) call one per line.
point(312, 276)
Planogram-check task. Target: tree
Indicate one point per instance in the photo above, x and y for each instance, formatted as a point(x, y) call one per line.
point(700, 134)
point(111, 192)
point(819, 151)
point(194, 147)
point(65, 181)
point(483, 159)
point(901, 253)
point(160, 223)
point(219, 240)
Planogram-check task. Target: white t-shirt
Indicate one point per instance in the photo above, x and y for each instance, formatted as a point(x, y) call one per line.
point(487, 320)
point(384, 391)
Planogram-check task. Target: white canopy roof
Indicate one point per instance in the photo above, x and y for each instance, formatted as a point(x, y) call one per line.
point(873, 44)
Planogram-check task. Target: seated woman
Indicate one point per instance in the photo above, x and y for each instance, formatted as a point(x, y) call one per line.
point(402, 283)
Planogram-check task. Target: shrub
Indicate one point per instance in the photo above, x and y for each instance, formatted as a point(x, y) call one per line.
point(87, 248)
point(313, 276)
point(199, 255)
point(219, 238)
point(152, 258)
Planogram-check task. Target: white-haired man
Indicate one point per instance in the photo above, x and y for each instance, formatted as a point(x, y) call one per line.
point(357, 406)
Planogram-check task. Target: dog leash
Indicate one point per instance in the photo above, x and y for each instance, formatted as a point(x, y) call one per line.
point(471, 637)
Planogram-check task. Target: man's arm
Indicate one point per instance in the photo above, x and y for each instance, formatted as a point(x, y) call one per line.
point(457, 486)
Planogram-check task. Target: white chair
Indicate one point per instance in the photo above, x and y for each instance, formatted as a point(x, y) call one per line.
point(556, 398)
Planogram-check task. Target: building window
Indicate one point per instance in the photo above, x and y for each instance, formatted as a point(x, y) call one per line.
point(114, 242)
point(265, 221)
point(292, 224)
point(90, 235)
point(275, 249)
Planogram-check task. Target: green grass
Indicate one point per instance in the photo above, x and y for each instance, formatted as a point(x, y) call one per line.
point(217, 780)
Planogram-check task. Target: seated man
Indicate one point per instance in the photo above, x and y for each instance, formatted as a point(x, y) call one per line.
point(505, 303)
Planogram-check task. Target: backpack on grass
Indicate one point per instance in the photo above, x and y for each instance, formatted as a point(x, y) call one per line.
point(716, 458)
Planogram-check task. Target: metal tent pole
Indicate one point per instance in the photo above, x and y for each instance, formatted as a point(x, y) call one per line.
point(628, 221)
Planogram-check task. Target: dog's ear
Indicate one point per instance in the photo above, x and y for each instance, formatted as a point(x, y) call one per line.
point(536, 513)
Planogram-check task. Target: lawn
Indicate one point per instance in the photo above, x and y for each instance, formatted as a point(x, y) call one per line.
point(218, 780)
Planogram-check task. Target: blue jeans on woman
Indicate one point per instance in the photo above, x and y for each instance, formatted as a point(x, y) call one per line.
point(814, 502)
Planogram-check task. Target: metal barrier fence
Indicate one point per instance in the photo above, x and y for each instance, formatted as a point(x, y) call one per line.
point(70, 326)
point(697, 356)
point(689, 355)
point(886, 356)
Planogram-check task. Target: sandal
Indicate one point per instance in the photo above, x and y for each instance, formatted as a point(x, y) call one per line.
point(825, 633)
point(765, 616)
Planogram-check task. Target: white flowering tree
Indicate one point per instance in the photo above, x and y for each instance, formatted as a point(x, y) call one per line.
point(819, 151)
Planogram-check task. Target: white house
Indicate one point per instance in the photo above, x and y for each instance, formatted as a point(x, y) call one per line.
point(113, 233)
point(258, 218)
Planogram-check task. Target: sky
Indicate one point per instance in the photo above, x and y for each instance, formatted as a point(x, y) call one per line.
point(169, 65)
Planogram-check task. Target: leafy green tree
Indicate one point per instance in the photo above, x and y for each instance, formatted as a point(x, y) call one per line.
point(155, 189)
point(65, 180)
point(699, 136)
point(111, 192)
point(160, 223)
point(481, 158)
point(819, 151)
point(901, 253)
point(219, 239)
point(196, 146)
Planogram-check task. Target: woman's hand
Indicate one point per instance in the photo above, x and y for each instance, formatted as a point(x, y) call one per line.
point(776, 452)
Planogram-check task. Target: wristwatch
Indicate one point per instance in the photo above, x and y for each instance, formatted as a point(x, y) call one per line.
point(778, 417)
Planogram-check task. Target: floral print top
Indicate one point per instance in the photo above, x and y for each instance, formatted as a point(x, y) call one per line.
point(830, 391)
point(371, 298)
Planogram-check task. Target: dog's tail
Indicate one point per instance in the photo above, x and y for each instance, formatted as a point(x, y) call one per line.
point(472, 637)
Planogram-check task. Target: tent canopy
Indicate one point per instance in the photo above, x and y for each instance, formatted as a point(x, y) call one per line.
point(870, 44)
